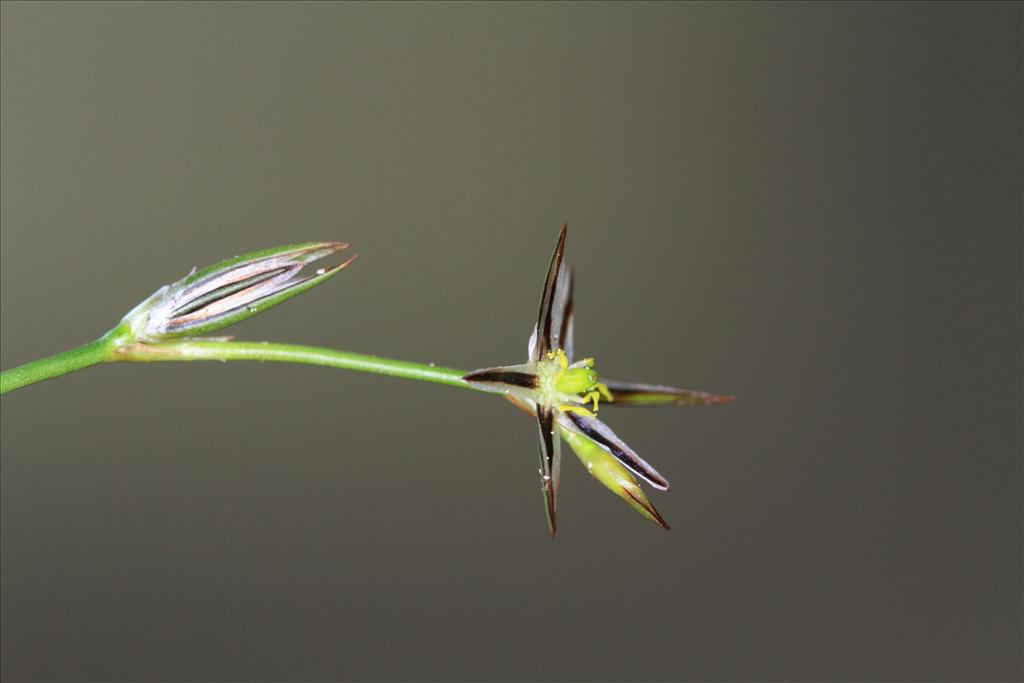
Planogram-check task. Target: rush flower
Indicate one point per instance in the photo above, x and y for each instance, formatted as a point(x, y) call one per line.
point(230, 291)
point(565, 395)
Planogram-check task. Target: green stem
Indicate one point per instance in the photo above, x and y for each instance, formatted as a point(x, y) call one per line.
point(116, 346)
point(193, 350)
point(99, 351)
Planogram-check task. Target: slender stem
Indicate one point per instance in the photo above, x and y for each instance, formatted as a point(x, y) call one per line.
point(99, 351)
point(112, 348)
point(192, 350)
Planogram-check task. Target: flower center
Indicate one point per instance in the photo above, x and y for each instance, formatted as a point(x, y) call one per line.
point(569, 387)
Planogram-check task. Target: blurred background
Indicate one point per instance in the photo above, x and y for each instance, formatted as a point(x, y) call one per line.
point(815, 207)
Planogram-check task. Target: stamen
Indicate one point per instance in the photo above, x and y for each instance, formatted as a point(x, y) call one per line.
point(563, 360)
point(567, 408)
point(569, 386)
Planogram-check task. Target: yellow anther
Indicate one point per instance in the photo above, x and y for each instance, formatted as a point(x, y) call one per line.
point(576, 382)
point(606, 394)
point(568, 408)
point(563, 361)
point(594, 396)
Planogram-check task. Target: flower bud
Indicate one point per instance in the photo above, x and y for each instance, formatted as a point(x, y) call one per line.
point(230, 291)
point(612, 474)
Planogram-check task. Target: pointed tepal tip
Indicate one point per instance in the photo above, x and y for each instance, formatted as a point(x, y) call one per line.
point(307, 256)
point(552, 522)
point(313, 251)
point(645, 504)
point(719, 400)
point(552, 527)
point(344, 263)
point(330, 247)
point(660, 521)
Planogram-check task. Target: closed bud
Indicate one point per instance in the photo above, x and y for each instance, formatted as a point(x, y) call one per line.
point(230, 291)
point(613, 475)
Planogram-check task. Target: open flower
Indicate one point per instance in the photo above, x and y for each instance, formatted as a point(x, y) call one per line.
point(565, 395)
